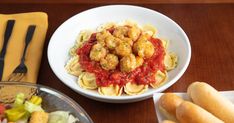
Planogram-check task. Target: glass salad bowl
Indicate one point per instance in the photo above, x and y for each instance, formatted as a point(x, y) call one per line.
point(52, 100)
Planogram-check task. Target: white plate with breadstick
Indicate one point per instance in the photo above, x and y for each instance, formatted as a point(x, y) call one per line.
point(201, 104)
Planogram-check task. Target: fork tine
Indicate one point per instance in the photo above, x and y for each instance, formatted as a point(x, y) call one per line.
point(16, 76)
point(19, 77)
point(11, 77)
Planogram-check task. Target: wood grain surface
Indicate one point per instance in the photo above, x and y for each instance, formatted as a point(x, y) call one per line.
point(115, 1)
point(210, 28)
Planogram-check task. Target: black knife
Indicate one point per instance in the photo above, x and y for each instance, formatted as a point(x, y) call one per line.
point(7, 35)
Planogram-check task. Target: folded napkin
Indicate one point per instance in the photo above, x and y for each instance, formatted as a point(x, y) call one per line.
point(16, 43)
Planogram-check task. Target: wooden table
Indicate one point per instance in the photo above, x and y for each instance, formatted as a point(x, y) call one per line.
point(210, 28)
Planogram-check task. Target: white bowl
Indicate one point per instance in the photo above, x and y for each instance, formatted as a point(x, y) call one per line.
point(64, 38)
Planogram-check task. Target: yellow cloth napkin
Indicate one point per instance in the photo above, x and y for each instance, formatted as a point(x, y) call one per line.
point(16, 43)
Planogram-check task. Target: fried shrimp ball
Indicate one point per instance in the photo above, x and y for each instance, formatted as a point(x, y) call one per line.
point(128, 40)
point(128, 63)
point(97, 52)
point(101, 36)
point(123, 49)
point(143, 48)
point(134, 32)
point(144, 36)
point(112, 42)
point(109, 62)
point(139, 61)
point(121, 32)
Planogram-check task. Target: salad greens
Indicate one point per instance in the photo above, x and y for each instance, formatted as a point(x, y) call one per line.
point(58, 117)
point(21, 109)
point(31, 111)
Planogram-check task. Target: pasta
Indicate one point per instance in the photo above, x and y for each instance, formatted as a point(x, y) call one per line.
point(160, 78)
point(111, 90)
point(87, 80)
point(170, 61)
point(150, 29)
point(134, 89)
point(121, 58)
point(73, 66)
point(165, 43)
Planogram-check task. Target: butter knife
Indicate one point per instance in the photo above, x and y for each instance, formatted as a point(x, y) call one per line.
point(7, 35)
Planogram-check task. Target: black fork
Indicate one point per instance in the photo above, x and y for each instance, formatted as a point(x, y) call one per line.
point(21, 69)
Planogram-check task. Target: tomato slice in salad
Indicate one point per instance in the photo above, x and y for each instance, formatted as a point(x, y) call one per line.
point(2, 109)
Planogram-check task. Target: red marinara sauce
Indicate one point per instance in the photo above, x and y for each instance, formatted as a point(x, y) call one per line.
point(141, 75)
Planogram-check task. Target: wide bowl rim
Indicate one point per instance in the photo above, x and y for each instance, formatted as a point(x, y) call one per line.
point(118, 99)
point(47, 89)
